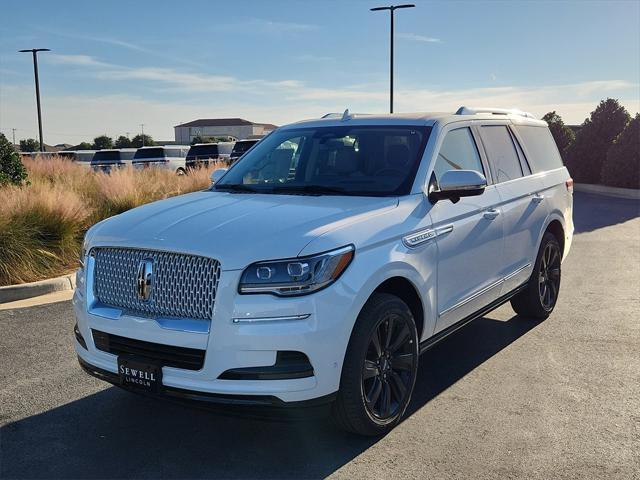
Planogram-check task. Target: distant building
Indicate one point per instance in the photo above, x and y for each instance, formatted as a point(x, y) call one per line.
point(237, 128)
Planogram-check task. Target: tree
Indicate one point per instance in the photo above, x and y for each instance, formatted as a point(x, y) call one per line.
point(82, 146)
point(29, 145)
point(562, 134)
point(123, 142)
point(622, 166)
point(136, 141)
point(101, 142)
point(589, 151)
point(199, 139)
point(11, 168)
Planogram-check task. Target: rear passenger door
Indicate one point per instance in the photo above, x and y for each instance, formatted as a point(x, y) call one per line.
point(522, 203)
point(469, 234)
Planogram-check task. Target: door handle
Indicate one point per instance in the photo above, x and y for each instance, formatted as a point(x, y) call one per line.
point(491, 213)
point(537, 198)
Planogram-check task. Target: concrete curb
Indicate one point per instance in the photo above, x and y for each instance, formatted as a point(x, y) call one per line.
point(11, 293)
point(609, 191)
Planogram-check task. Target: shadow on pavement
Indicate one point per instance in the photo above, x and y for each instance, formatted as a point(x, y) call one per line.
point(591, 212)
point(115, 434)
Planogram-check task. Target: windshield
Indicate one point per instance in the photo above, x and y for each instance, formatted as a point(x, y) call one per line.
point(243, 146)
point(149, 153)
point(349, 160)
point(203, 150)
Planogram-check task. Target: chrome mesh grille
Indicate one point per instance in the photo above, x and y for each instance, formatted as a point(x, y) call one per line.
point(184, 286)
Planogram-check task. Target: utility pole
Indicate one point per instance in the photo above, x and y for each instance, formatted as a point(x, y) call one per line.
point(392, 9)
point(142, 126)
point(35, 51)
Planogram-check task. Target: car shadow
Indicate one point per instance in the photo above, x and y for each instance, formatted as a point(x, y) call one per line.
point(592, 211)
point(115, 434)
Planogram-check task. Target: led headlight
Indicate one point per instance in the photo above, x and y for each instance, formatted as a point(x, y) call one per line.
point(296, 276)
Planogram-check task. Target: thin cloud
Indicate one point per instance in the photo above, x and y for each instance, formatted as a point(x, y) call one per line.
point(419, 38)
point(261, 25)
point(79, 60)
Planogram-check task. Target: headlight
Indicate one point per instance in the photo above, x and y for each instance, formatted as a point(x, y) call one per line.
point(296, 276)
point(83, 252)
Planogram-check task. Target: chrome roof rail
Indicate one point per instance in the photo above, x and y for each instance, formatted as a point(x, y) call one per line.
point(496, 111)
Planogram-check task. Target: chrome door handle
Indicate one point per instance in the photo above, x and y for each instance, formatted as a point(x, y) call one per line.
point(491, 213)
point(537, 198)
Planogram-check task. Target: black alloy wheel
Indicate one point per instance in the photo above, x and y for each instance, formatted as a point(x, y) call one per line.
point(388, 371)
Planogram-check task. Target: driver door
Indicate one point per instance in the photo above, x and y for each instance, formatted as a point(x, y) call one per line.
point(469, 234)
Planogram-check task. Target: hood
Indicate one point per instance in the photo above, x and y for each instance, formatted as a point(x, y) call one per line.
point(235, 228)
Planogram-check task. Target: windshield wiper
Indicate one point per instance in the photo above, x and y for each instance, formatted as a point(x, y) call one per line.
point(236, 187)
point(311, 189)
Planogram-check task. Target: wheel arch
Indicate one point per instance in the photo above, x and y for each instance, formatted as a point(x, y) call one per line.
point(404, 289)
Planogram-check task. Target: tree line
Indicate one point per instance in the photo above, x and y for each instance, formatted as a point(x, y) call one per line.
point(99, 143)
point(605, 149)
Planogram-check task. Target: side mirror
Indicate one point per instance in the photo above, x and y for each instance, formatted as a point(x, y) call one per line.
point(455, 184)
point(217, 174)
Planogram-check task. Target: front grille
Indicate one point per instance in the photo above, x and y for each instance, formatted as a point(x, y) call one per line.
point(166, 355)
point(183, 286)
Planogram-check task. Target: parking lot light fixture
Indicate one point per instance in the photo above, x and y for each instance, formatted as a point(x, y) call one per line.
point(35, 51)
point(392, 9)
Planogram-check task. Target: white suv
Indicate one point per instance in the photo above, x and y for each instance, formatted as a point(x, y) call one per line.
point(320, 265)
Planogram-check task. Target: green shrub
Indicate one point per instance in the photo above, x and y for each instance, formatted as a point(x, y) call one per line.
point(589, 151)
point(622, 167)
point(12, 170)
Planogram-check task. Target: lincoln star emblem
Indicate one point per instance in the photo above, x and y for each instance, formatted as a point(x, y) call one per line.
point(144, 281)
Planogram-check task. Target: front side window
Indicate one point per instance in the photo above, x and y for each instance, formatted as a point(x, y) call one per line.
point(501, 152)
point(458, 152)
point(349, 160)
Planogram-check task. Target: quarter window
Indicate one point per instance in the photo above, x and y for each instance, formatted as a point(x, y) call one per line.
point(541, 148)
point(458, 152)
point(501, 152)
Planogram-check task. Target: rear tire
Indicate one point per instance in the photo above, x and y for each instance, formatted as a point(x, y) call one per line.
point(539, 297)
point(380, 368)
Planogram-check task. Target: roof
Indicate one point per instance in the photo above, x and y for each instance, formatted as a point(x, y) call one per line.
point(417, 118)
point(223, 122)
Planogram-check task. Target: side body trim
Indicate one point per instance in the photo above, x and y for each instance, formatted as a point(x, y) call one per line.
point(430, 342)
point(484, 290)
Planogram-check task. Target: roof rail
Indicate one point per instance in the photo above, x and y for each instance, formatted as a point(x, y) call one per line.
point(496, 111)
point(346, 115)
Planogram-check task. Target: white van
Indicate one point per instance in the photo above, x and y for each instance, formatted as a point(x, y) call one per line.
point(169, 157)
point(326, 260)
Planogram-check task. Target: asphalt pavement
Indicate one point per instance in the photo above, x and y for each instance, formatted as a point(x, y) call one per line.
point(505, 397)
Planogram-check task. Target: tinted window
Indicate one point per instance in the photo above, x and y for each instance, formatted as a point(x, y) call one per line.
point(149, 153)
point(501, 152)
point(542, 151)
point(349, 160)
point(106, 155)
point(207, 151)
point(240, 147)
point(458, 152)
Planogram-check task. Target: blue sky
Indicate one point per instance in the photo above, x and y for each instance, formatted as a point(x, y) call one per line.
point(115, 65)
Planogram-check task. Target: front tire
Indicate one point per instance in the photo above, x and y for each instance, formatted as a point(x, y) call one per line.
point(539, 297)
point(380, 368)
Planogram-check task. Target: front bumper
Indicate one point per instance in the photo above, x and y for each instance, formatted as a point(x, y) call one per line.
point(246, 331)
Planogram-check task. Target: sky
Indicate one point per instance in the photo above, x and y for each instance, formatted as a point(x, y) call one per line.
point(116, 65)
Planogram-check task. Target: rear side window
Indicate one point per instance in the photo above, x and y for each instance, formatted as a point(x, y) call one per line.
point(458, 152)
point(501, 152)
point(542, 152)
point(149, 153)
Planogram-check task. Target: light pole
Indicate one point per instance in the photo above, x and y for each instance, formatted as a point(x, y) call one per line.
point(35, 51)
point(391, 8)
point(142, 126)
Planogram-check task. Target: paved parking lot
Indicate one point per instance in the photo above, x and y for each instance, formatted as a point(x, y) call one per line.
point(505, 397)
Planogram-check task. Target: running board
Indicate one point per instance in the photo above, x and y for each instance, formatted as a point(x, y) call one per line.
point(430, 342)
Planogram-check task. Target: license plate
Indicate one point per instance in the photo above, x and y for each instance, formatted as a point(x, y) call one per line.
point(139, 374)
